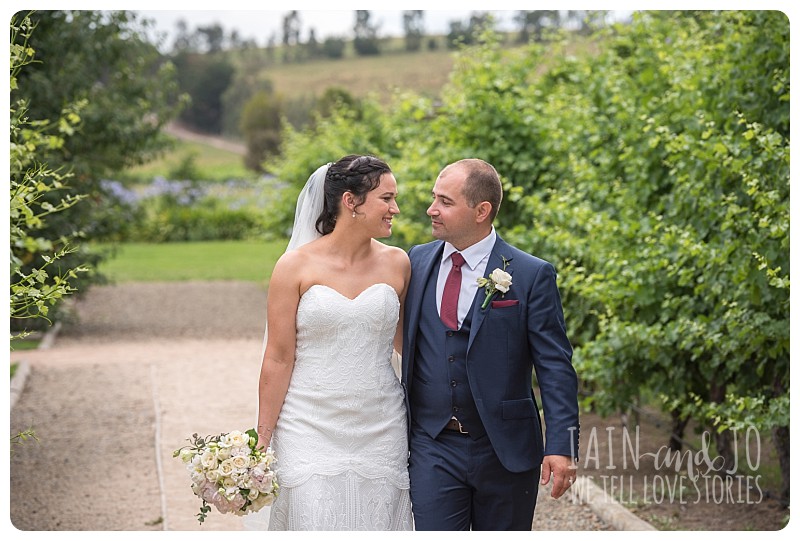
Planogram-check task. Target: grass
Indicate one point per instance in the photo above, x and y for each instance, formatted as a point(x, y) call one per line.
point(209, 163)
point(250, 261)
point(424, 72)
point(25, 344)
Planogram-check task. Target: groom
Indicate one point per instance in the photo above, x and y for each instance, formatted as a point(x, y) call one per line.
point(475, 436)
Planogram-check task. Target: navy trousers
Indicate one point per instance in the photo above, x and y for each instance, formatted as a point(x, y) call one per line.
point(458, 483)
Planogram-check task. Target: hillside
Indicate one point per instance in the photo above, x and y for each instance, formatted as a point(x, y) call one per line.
point(423, 72)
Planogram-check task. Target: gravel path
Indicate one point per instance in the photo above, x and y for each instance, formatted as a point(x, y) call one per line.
point(139, 369)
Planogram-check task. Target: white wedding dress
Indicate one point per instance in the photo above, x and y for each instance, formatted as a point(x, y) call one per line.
point(341, 440)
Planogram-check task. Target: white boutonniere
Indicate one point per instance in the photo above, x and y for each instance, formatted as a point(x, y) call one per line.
point(499, 280)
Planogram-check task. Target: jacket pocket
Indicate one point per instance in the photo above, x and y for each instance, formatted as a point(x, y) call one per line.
point(505, 303)
point(519, 409)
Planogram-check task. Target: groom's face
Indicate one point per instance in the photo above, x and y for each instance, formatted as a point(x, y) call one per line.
point(452, 220)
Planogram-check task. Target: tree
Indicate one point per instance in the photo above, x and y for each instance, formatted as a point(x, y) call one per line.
point(247, 80)
point(366, 34)
point(414, 29)
point(213, 36)
point(291, 35)
point(461, 34)
point(260, 124)
point(534, 23)
point(205, 78)
point(313, 48)
point(587, 21)
point(458, 35)
point(102, 59)
point(335, 98)
point(207, 39)
point(35, 289)
point(334, 47)
point(271, 46)
point(185, 41)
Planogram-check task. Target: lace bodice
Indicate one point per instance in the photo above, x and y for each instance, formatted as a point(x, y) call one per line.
point(344, 345)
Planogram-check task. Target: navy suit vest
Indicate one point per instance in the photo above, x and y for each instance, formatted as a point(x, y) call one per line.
point(440, 389)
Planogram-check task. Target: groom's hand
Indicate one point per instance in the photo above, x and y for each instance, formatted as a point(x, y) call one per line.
point(564, 471)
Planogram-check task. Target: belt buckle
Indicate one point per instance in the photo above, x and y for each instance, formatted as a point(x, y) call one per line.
point(460, 427)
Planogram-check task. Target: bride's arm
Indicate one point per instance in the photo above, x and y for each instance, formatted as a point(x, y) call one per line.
point(406, 269)
point(283, 297)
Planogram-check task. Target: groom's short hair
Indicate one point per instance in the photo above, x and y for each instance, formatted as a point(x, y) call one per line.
point(482, 184)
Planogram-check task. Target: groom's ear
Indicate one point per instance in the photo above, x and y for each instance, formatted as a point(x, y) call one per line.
point(483, 211)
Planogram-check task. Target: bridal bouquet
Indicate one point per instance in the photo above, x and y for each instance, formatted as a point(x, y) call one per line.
point(229, 472)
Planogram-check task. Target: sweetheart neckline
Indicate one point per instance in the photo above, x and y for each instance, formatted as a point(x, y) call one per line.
point(345, 296)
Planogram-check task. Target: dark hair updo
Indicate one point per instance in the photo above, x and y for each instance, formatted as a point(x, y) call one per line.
point(356, 174)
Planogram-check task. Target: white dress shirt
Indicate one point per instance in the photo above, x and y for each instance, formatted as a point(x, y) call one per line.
point(476, 257)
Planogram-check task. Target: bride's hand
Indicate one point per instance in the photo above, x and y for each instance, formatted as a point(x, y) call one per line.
point(263, 443)
point(264, 439)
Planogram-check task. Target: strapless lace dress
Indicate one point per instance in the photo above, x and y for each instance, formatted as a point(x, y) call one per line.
point(341, 440)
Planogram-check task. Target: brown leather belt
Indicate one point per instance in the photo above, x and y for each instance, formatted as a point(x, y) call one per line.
point(455, 426)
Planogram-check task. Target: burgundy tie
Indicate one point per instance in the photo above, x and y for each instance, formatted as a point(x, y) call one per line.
point(452, 287)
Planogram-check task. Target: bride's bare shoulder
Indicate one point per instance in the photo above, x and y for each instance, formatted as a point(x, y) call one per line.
point(397, 256)
point(302, 253)
point(290, 262)
point(392, 251)
point(287, 259)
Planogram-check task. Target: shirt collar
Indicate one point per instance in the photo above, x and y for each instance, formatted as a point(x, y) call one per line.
point(475, 253)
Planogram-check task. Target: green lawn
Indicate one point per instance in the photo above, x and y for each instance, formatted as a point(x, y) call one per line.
point(209, 164)
point(250, 261)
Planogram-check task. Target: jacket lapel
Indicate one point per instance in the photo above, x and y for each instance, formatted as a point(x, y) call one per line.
point(501, 250)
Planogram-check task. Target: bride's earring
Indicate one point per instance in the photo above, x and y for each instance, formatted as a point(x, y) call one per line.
point(354, 214)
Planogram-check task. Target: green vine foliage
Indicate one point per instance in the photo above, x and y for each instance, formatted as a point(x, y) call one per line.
point(35, 290)
point(651, 166)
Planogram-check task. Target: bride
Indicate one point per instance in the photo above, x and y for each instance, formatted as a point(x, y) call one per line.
point(329, 400)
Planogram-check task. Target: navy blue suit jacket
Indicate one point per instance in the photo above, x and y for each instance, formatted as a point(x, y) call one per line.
point(505, 345)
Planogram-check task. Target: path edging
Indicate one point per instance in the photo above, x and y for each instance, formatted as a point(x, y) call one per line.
point(24, 369)
point(607, 508)
point(18, 381)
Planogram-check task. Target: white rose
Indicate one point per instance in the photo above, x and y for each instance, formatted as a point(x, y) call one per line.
point(237, 438)
point(240, 462)
point(212, 475)
point(208, 460)
point(240, 451)
point(229, 485)
point(225, 467)
point(501, 279)
point(223, 453)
